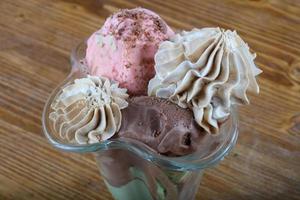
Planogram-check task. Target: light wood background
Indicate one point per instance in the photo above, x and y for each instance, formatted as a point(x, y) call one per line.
point(36, 37)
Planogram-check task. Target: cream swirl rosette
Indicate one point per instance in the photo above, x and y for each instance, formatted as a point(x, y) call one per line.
point(89, 110)
point(206, 70)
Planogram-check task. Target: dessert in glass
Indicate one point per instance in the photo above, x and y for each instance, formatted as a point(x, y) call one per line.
point(155, 108)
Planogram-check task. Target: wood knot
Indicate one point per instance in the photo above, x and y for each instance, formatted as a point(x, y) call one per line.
point(20, 17)
point(294, 127)
point(294, 72)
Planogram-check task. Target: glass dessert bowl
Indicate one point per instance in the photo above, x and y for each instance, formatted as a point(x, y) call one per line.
point(132, 170)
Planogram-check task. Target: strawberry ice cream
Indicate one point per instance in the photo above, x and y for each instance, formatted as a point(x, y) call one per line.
point(124, 48)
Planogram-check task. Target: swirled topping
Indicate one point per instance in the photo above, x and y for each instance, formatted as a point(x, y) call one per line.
point(206, 70)
point(88, 110)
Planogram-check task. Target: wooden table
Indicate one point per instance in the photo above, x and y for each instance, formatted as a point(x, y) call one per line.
point(36, 37)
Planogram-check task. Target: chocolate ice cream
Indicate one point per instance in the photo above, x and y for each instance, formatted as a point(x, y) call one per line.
point(160, 124)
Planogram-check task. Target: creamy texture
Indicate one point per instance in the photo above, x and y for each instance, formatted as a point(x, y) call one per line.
point(88, 110)
point(121, 167)
point(206, 70)
point(162, 125)
point(123, 49)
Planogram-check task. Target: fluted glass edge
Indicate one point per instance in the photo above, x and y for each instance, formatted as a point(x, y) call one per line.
point(188, 162)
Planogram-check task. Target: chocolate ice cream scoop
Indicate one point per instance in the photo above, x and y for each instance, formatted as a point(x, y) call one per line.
point(162, 125)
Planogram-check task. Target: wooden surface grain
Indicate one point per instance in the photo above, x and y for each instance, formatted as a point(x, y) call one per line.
point(36, 37)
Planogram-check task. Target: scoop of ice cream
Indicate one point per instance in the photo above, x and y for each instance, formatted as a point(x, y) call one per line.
point(160, 124)
point(120, 167)
point(124, 48)
point(88, 110)
point(206, 70)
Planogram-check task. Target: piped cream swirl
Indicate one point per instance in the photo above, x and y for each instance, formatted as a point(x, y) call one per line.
point(206, 70)
point(88, 110)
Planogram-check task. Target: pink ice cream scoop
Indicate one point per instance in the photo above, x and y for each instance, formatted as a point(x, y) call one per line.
point(123, 49)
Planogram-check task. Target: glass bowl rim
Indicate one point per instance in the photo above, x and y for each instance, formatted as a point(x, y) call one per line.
point(181, 163)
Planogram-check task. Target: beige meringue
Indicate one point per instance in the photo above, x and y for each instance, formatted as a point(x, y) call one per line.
point(88, 110)
point(206, 70)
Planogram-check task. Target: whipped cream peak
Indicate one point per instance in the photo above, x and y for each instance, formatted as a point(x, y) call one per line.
point(206, 70)
point(88, 110)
